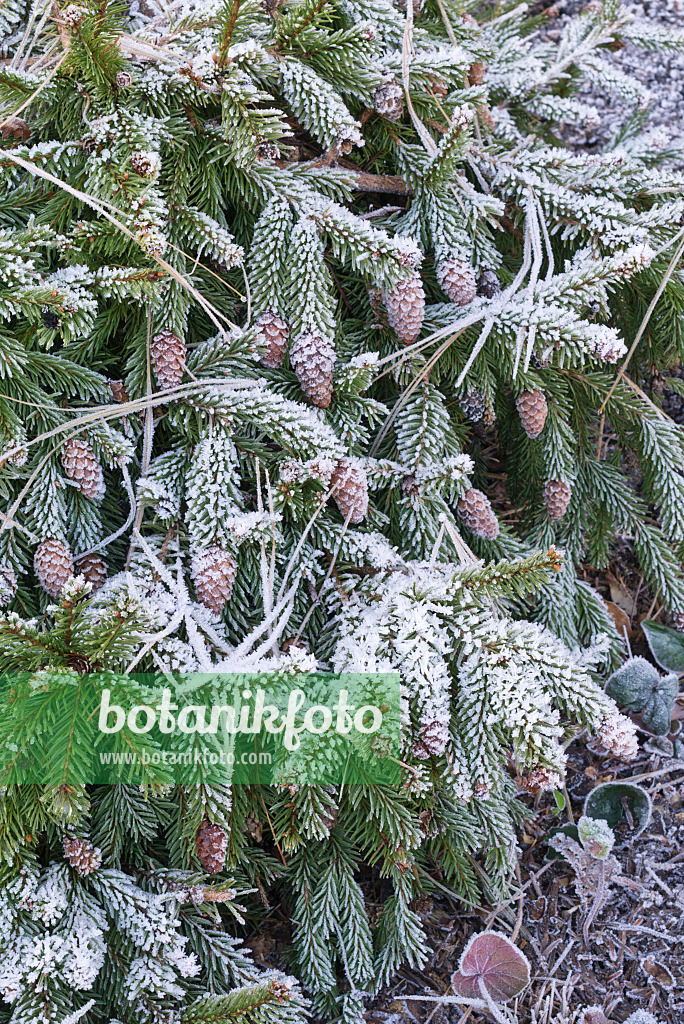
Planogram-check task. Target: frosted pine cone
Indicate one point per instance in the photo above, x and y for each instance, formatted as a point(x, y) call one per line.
point(213, 573)
point(8, 585)
point(473, 404)
point(73, 15)
point(618, 735)
point(81, 466)
point(488, 284)
point(272, 337)
point(350, 489)
point(313, 359)
point(476, 73)
point(53, 564)
point(405, 305)
point(557, 496)
point(457, 279)
point(146, 164)
point(475, 512)
point(388, 101)
point(532, 409)
point(167, 352)
point(540, 780)
point(123, 80)
point(18, 455)
point(432, 740)
point(211, 843)
point(94, 569)
point(82, 855)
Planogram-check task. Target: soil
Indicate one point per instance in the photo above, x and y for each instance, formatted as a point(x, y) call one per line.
point(634, 959)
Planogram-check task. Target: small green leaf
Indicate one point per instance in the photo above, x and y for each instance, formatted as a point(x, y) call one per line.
point(608, 802)
point(667, 645)
point(559, 798)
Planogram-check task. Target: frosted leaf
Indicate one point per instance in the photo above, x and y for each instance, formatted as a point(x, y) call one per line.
point(491, 961)
point(596, 836)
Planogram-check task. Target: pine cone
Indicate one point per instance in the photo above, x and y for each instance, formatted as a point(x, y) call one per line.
point(488, 284)
point(19, 454)
point(473, 404)
point(15, 128)
point(94, 569)
point(350, 489)
point(53, 565)
point(677, 620)
point(213, 572)
point(50, 318)
point(475, 512)
point(81, 466)
point(388, 101)
point(557, 496)
point(255, 827)
point(532, 409)
point(540, 780)
point(146, 164)
point(619, 736)
point(167, 353)
point(73, 15)
point(313, 359)
point(432, 740)
point(476, 73)
point(211, 843)
point(82, 855)
point(123, 80)
point(8, 585)
point(272, 338)
point(457, 279)
point(118, 390)
point(405, 305)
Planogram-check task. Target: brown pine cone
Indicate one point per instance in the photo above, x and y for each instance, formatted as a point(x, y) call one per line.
point(405, 305)
point(432, 739)
point(350, 489)
point(15, 128)
point(53, 564)
point(8, 585)
point(82, 855)
point(557, 496)
point(388, 101)
point(255, 827)
point(272, 337)
point(476, 73)
point(475, 512)
point(118, 390)
point(457, 279)
point(213, 572)
point(167, 353)
point(211, 843)
point(313, 359)
point(488, 284)
point(532, 409)
point(81, 466)
point(94, 568)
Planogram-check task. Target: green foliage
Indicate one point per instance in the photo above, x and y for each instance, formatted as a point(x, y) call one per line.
point(171, 182)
